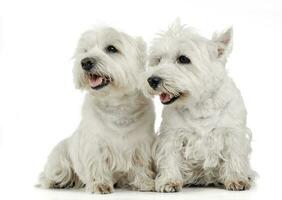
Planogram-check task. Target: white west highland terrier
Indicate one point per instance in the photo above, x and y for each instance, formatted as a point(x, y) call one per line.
point(203, 135)
point(112, 145)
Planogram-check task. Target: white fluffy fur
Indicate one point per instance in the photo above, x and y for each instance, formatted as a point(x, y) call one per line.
point(203, 135)
point(112, 144)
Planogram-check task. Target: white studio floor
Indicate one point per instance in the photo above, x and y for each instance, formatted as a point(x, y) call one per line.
point(187, 193)
point(25, 191)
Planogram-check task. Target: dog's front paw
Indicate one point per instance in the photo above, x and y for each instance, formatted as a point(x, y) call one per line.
point(100, 188)
point(169, 186)
point(237, 185)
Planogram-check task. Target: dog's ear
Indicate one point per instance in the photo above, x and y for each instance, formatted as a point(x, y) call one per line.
point(223, 42)
point(141, 51)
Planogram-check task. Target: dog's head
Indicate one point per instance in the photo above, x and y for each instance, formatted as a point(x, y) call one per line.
point(108, 62)
point(185, 66)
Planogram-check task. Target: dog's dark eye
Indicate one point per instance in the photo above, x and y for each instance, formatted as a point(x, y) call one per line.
point(183, 60)
point(111, 49)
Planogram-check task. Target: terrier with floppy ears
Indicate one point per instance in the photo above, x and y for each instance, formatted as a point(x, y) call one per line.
point(112, 145)
point(203, 137)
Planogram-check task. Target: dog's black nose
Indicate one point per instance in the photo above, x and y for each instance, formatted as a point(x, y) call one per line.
point(88, 63)
point(154, 81)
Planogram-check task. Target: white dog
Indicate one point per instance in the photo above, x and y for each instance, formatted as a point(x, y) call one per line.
point(112, 144)
point(203, 135)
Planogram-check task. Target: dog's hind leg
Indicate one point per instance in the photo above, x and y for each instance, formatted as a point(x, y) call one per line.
point(58, 171)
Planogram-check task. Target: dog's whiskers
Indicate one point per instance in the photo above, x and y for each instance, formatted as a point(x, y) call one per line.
point(171, 92)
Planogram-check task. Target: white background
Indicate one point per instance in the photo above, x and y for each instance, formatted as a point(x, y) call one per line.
point(39, 105)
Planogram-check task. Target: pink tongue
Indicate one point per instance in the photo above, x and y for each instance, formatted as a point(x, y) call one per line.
point(165, 97)
point(94, 82)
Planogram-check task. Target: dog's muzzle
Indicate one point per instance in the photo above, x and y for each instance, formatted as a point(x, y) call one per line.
point(165, 97)
point(96, 80)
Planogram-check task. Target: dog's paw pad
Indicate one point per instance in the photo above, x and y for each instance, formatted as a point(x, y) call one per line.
point(237, 185)
point(171, 186)
point(101, 188)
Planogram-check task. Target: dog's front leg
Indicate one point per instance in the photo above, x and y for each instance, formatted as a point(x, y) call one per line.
point(169, 178)
point(142, 177)
point(99, 177)
point(235, 170)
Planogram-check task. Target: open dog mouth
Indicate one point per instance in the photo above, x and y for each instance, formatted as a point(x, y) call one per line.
point(167, 98)
point(97, 82)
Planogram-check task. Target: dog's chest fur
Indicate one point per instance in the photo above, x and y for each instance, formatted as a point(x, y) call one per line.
point(120, 116)
point(119, 131)
point(197, 138)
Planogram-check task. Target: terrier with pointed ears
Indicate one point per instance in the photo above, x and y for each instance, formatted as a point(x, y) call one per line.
point(203, 137)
